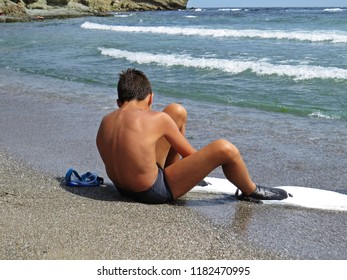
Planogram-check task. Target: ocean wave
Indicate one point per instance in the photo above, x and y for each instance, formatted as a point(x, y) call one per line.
point(334, 10)
point(261, 68)
point(229, 10)
point(300, 35)
point(122, 15)
point(320, 115)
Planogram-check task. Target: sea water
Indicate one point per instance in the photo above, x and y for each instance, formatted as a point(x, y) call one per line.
point(272, 81)
point(269, 77)
point(288, 61)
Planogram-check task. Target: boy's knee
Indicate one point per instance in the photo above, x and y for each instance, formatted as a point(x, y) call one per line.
point(227, 148)
point(177, 112)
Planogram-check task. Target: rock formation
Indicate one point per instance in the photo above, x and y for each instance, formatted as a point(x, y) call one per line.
point(23, 10)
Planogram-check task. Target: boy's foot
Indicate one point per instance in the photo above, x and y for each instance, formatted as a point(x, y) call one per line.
point(264, 193)
point(203, 183)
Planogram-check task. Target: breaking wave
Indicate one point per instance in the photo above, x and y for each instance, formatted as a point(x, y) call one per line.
point(300, 35)
point(334, 10)
point(297, 72)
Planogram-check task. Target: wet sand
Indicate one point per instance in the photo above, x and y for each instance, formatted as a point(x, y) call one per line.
point(43, 135)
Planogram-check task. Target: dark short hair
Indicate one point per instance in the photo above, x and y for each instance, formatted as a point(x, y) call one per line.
point(133, 84)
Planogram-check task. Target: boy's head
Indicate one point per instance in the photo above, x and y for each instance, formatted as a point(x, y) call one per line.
point(133, 84)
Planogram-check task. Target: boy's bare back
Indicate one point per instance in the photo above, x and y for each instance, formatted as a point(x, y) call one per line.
point(127, 140)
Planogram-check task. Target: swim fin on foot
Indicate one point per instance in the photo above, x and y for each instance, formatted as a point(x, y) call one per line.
point(264, 193)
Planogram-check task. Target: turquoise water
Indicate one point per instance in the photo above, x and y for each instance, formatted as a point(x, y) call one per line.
point(286, 61)
point(272, 81)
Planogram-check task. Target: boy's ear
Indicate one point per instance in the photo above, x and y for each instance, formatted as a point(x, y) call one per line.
point(119, 103)
point(150, 99)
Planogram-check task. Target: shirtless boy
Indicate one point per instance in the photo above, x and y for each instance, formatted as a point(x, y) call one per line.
point(148, 158)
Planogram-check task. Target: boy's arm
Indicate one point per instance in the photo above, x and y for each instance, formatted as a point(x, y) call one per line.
point(175, 137)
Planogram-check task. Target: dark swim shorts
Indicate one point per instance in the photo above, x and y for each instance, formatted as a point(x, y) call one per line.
point(159, 193)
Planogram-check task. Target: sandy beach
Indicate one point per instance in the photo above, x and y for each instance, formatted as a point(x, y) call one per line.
point(43, 219)
point(43, 134)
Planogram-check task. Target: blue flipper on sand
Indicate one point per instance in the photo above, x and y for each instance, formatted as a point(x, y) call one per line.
point(73, 179)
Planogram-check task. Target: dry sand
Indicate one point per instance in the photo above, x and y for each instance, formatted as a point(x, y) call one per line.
point(43, 219)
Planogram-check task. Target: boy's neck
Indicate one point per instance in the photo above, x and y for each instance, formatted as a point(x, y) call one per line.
point(135, 104)
point(145, 104)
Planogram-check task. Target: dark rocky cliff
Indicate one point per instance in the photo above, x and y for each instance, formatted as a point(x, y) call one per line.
point(23, 10)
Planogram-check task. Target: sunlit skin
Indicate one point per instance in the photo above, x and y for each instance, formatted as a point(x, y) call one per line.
point(133, 141)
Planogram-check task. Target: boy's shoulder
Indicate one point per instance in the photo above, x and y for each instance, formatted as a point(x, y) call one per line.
point(160, 115)
point(154, 114)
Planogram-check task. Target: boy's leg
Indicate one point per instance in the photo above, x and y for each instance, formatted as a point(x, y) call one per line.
point(183, 175)
point(164, 153)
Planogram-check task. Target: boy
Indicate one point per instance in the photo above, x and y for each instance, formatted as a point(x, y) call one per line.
point(141, 149)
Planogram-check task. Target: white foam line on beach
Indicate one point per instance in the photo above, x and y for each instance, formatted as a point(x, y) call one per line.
point(297, 72)
point(300, 35)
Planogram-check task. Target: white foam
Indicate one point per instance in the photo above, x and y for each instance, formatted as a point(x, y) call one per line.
point(320, 115)
point(260, 67)
point(121, 16)
point(300, 35)
point(229, 10)
point(334, 10)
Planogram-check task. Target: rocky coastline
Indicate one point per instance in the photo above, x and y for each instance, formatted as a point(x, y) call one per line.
point(28, 10)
